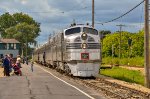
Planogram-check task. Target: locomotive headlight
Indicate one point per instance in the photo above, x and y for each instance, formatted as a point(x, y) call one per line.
point(84, 36)
point(84, 45)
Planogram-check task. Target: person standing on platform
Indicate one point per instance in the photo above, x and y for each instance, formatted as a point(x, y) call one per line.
point(44, 54)
point(32, 65)
point(23, 60)
point(6, 64)
point(11, 62)
point(18, 62)
point(27, 60)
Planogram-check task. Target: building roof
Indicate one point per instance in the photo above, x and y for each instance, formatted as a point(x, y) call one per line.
point(9, 41)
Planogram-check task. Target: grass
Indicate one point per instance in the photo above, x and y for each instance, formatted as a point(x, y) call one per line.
point(132, 76)
point(136, 61)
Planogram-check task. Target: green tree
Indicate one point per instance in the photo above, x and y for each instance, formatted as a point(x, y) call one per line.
point(6, 21)
point(136, 48)
point(20, 26)
point(114, 40)
point(23, 31)
point(26, 32)
point(24, 18)
point(138, 44)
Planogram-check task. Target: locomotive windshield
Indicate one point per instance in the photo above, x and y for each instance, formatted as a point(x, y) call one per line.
point(90, 31)
point(73, 31)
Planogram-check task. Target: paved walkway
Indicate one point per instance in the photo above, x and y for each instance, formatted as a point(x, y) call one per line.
point(40, 84)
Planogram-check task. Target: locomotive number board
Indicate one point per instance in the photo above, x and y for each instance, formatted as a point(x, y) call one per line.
point(84, 56)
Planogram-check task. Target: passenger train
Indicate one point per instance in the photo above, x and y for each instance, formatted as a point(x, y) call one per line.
point(75, 51)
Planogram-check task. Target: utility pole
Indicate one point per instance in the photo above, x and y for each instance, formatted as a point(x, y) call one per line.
point(120, 26)
point(93, 13)
point(147, 46)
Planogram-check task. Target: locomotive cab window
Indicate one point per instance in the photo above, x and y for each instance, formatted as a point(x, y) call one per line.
point(90, 31)
point(73, 31)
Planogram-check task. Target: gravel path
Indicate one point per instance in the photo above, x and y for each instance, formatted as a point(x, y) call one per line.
point(134, 68)
point(127, 84)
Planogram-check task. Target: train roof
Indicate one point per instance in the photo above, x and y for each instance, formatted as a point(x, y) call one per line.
point(79, 25)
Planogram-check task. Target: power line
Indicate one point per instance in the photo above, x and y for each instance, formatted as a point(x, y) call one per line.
point(122, 14)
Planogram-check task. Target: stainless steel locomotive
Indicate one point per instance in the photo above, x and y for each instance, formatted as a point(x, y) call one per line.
point(76, 51)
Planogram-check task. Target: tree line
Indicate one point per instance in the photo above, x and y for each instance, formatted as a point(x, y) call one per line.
point(124, 44)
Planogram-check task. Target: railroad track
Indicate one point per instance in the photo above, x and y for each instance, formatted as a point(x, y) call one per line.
point(114, 90)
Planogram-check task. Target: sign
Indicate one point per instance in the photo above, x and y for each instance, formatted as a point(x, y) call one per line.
point(84, 56)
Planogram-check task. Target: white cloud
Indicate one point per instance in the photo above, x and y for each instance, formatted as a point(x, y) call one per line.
point(24, 2)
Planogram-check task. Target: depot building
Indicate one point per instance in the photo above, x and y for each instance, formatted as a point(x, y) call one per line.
point(9, 46)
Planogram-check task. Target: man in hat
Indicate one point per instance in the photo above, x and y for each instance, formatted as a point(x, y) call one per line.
point(6, 64)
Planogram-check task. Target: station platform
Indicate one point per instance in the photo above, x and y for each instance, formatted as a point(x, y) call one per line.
point(42, 83)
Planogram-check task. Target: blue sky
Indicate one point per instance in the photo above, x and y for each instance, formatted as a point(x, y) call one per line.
point(55, 15)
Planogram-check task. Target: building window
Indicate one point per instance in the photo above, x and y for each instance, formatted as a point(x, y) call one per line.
point(7, 46)
point(14, 46)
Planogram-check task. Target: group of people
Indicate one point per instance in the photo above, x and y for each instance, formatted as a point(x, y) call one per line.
point(8, 63)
